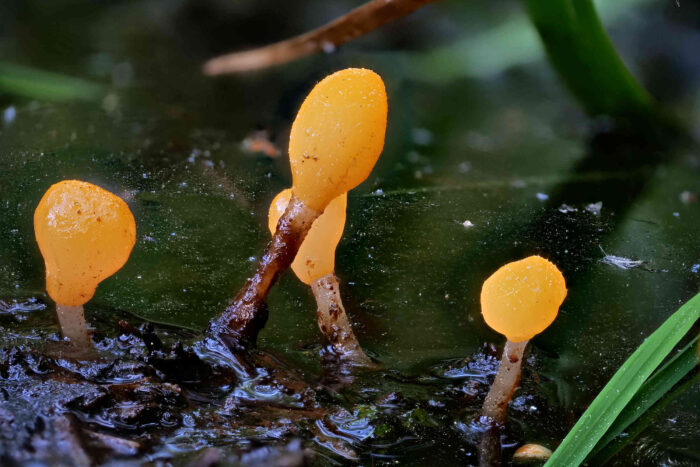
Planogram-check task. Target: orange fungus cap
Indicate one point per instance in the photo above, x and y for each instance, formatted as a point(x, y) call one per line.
point(85, 234)
point(337, 135)
point(522, 298)
point(316, 256)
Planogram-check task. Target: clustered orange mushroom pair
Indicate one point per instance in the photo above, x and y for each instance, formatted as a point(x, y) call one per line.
point(314, 265)
point(86, 234)
point(335, 141)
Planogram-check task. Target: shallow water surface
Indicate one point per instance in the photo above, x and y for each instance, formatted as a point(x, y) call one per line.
point(475, 173)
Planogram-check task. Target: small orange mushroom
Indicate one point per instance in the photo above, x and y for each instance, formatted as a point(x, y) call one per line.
point(85, 235)
point(519, 300)
point(335, 141)
point(314, 265)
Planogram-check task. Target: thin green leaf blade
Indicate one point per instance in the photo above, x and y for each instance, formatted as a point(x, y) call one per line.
point(38, 84)
point(622, 387)
point(585, 58)
point(610, 450)
point(654, 389)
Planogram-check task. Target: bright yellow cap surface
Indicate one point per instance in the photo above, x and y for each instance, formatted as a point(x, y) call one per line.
point(522, 298)
point(316, 257)
point(85, 234)
point(337, 136)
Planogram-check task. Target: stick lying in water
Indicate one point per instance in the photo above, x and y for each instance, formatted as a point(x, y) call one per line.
point(314, 265)
point(85, 234)
point(520, 300)
point(357, 22)
point(335, 141)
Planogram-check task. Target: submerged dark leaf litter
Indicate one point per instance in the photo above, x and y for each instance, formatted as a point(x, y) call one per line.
point(509, 155)
point(143, 398)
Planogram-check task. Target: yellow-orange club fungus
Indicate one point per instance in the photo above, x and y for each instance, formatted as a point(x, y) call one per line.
point(519, 300)
point(316, 256)
point(522, 298)
point(337, 136)
point(335, 141)
point(315, 264)
point(85, 235)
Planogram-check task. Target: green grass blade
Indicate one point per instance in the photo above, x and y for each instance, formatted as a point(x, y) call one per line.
point(607, 453)
point(37, 84)
point(654, 389)
point(585, 58)
point(622, 387)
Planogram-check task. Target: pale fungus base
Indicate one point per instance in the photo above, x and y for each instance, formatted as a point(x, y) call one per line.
point(73, 326)
point(85, 235)
point(522, 298)
point(337, 135)
point(333, 320)
point(316, 256)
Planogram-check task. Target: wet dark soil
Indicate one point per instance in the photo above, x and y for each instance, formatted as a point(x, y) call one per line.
point(143, 396)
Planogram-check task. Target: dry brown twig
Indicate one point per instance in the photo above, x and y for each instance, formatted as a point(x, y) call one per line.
point(357, 22)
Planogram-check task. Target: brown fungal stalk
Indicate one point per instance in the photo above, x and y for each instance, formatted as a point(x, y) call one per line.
point(247, 315)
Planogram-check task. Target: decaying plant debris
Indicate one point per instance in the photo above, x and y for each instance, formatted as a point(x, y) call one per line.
point(150, 397)
point(357, 22)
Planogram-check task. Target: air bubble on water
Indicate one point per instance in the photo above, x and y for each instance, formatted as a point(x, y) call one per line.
point(8, 116)
point(122, 74)
point(565, 208)
point(595, 208)
point(421, 136)
point(110, 103)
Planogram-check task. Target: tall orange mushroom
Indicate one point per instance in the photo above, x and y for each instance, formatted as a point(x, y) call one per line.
point(520, 300)
point(85, 235)
point(314, 265)
point(335, 141)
